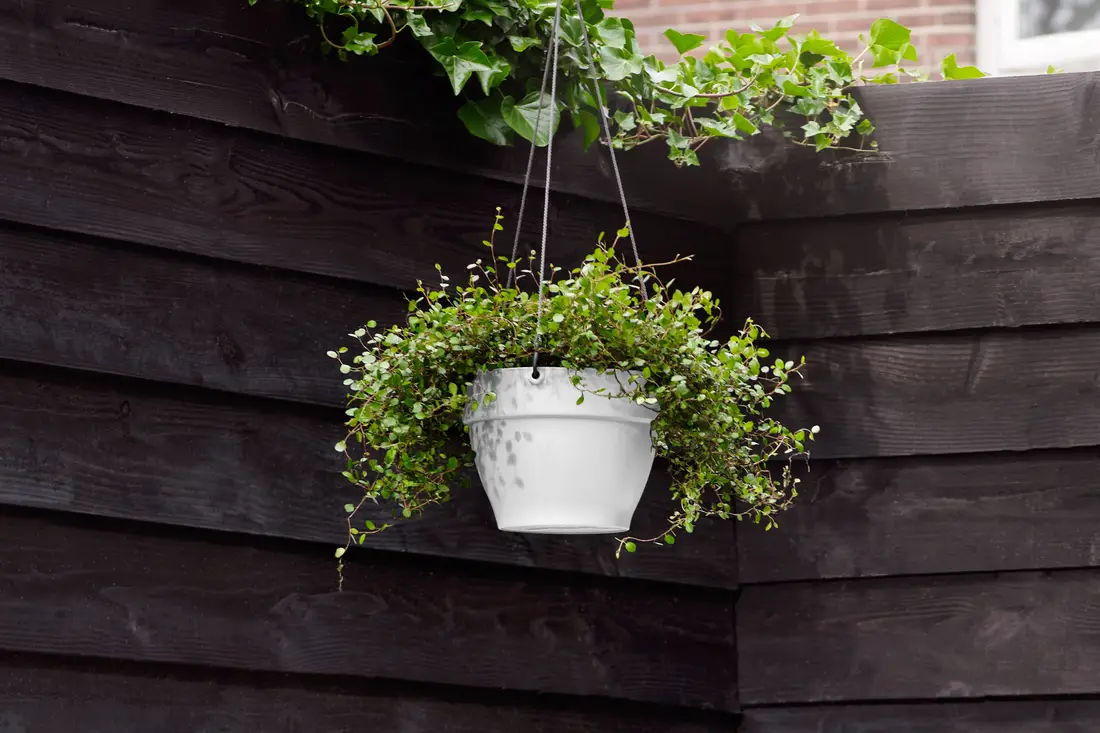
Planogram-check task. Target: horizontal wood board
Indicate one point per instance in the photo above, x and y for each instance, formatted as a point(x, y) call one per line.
point(135, 450)
point(99, 168)
point(1053, 716)
point(100, 698)
point(919, 271)
point(912, 638)
point(201, 323)
point(942, 514)
point(261, 68)
point(82, 589)
point(942, 145)
point(961, 392)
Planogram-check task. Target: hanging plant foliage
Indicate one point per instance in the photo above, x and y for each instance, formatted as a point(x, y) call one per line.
point(411, 383)
point(492, 52)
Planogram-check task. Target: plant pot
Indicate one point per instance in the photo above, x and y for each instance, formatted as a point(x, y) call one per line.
point(552, 466)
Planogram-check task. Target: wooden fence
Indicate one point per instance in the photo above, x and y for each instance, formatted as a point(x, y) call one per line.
point(194, 208)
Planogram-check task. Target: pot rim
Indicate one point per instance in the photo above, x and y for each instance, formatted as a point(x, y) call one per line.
point(470, 417)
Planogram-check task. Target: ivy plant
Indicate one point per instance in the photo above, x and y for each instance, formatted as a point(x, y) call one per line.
point(408, 384)
point(492, 52)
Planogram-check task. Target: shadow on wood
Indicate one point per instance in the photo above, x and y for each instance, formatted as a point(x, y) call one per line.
point(79, 588)
point(942, 514)
point(910, 638)
point(108, 697)
point(136, 451)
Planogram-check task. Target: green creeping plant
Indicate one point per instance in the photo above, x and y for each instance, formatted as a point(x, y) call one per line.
point(492, 52)
point(408, 384)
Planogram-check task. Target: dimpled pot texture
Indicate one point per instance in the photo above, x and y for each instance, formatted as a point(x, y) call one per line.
point(552, 466)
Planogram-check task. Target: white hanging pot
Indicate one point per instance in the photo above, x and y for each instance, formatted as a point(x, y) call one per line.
point(552, 466)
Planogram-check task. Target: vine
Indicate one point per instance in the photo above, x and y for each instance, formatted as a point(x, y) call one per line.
point(492, 52)
point(727, 456)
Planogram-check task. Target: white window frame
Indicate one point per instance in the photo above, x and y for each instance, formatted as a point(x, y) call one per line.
point(1002, 52)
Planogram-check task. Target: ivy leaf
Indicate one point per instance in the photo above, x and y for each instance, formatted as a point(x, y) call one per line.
point(460, 62)
point(721, 127)
point(779, 29)
point(744, 124)
point(359, 43)
point(590, 123)
point(888, 33)
point(500, 9)
point(483, 15)
point(730, 102)
point(656, 73)
point(625, 120)
point(820, 47)
point(789, 87)
point(570, 30)
point(951, 69)
point(498, 71)
point(676, 140)
point(684, 42)
point(619, 63)
point(890, 43)
point(612, 32)
point(417, 25)
point(483, 118)
point(521, 117)
point(522, 43)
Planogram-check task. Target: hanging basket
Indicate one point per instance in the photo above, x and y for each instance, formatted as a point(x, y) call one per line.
point(552, 466)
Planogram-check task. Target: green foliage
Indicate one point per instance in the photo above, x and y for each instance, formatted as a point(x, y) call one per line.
point(747, 82)
point(951, 69)
point(408, 385)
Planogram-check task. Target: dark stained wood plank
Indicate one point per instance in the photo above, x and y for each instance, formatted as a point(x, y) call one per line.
point(86, 166)
point(963, 392)
point(134, 450)
point(37, 698)
point(154, 597)
point(1054, 716)
point(944, 514)
point(960, 636)
point(974, 268)
point(943, 144)
point(143, 312)
point(261, 68)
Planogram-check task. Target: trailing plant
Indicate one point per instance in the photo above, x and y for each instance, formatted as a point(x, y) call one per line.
point(492, 52)
point(409, 383)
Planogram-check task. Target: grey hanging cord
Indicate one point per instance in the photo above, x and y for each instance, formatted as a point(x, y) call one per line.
point(546, 189)
point(550, 70)
point(611, 151)
point(531, 154)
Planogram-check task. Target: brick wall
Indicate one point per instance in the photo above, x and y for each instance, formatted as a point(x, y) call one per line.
point(939, 27)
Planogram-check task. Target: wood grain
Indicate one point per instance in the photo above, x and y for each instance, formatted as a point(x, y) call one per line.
point(37, 698)
point(100, 168)
point(913, 638)
point(943, 145)
point(261, 68)
point(81, 590)
point(134, 450)
point(943, 514)
point(1053, 716)
point(140, 312)
point(905, 272)
point(964, 392)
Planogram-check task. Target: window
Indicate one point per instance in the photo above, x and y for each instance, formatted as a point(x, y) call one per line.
point(1027, 36)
